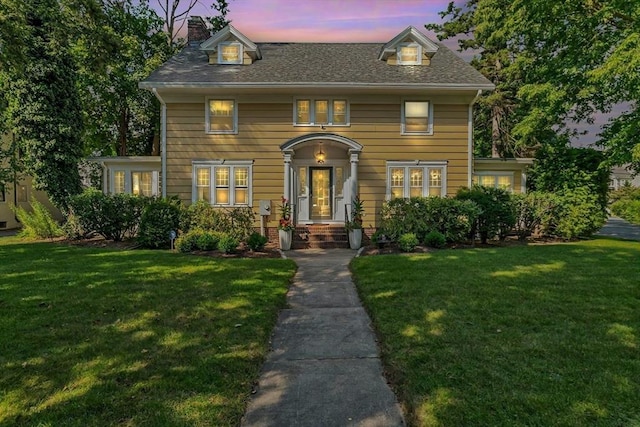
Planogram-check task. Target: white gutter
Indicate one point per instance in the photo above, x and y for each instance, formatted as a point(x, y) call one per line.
point(163, 142)
point(470, 139)
point(306, 85)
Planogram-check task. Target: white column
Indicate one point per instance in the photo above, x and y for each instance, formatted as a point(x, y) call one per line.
point(355, 157)
point(287, 175)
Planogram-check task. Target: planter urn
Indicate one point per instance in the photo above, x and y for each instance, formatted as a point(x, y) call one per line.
point(355, 238)
point(284, 238)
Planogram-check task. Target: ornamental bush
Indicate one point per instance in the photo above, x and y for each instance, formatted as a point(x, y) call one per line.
point(159, 218)
point(235, 221)
point(113, 216)
point(407, 242)
point(228, 243)
point(37, 224)
point(256, 241)
point(435, 239)
point(208, 240)
point(497, 216)
point(627, 209)
point(533, 210)
point(578, 213)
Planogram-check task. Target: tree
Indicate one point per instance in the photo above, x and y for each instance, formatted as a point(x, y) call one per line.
point(44, 106)
point(175, 13)
point(567, 60)
point(121, 118)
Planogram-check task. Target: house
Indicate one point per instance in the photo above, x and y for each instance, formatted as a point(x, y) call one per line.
point(245, 123)
point(622, 176)
point(20, 192)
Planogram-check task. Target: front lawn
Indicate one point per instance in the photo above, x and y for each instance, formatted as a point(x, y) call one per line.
point(96, 337)
point(520, 336)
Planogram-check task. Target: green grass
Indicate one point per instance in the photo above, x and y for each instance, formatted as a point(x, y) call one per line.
point(520, 336)
point(96, 337)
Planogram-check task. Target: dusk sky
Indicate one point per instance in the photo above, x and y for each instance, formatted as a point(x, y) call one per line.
point(327, 20)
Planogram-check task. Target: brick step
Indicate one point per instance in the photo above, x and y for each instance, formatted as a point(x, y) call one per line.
point(320, 236)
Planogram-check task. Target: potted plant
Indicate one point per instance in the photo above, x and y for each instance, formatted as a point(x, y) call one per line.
point(354, 227)
point(285, 225)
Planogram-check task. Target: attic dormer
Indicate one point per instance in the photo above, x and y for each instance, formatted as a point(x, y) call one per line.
point(410, 47)
point(229, 46)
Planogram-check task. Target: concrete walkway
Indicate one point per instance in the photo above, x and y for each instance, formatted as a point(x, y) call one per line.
point(618, 227)
point(324, 368)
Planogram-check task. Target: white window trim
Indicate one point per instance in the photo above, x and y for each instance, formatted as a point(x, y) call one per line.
point(416, 164)
point(312, 111)
point(430, 118)
point(240, 53)
point(213, 164)
point(496, 174)
point(207, 113)
point(399, 55)
point(129, 170)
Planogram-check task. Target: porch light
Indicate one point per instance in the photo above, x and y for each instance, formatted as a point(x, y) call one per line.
point(320, 156)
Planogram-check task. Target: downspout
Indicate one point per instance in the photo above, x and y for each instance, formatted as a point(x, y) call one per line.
point(470, 139)
point(163, 142)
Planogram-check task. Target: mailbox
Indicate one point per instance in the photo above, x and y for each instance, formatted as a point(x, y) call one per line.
point(265, 207)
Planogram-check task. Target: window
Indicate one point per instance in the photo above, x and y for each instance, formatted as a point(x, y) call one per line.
point(142, 183)
point(416, 118)
point(302, 174)
point(3, 195)
point(118, 182)
point(203, 184)
point(231, 182)
point(229, 53)
point(321, 112)
point(409, 54)
point(502, 180)
point(222, 116)
point(415, 179)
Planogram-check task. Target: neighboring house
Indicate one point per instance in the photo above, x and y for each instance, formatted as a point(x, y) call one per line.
point(20, 192)
point(245, 123)
point(621, 176)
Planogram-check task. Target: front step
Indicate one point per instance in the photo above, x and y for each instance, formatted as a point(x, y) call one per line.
point(320, 236)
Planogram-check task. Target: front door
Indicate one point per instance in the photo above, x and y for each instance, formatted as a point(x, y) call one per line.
point(321, 205)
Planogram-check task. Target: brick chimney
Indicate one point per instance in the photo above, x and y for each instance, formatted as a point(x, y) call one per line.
point(197, 31)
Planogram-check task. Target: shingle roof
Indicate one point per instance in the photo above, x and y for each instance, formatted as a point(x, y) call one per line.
point(342, 64)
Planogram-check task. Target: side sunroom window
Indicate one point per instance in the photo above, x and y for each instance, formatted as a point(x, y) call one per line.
point(503, 180)
point(408, 179)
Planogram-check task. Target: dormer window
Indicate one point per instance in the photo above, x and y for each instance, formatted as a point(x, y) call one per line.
point(230, 53)
point(409, 54)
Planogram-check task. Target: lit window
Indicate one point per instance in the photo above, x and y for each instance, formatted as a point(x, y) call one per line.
point(230, 53)
point(302, 173)
point(231, 182)
point(409, 54)
point(118, 182)
point(321, 112)
point(503, 180)
point(222, 116)
point(406, 180)
point(142, 183)
point(339, 181)
point(203, 184)
point(416, 118)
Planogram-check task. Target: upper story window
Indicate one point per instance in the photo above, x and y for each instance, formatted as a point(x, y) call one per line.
point(320, 112)
point(227, 184)
point(409, 54)
point(408, 179)
point(503, 180)
point(417, 118)
point(230, 53)
point(222, 116)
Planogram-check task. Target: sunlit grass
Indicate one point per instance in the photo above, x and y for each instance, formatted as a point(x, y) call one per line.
point(93, 337)
point(520, 336)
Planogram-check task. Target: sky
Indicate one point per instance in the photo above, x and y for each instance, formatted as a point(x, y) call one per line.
point(342, 21)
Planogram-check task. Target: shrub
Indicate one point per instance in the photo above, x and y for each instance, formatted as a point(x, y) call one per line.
point(497, 216)
point(37, 224)
point(208, 241)
point(408, 242)
point(419, 215)
point(578, 214)
point(228, 243)
point(240, 222)
point(188, 242)
point(532, 211)
point(72, 229)
point(435, 239)
point(159, 218)
point(203, 216)
point(256, 241)
point(627, 209)
point(113, 216)
point(626, 192)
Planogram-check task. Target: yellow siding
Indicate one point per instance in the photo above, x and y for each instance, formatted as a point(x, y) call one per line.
point(264, 127)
